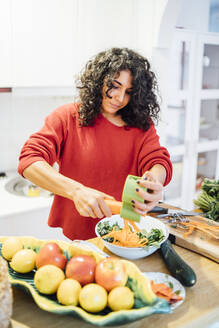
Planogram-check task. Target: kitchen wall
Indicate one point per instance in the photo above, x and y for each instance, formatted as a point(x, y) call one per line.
point(45, 43)
point(21, 115)
point(149, 31)
point(194, 15)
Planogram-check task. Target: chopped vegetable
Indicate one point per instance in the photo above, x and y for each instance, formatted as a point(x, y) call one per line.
point(163, 291)
point(189, 232)
point(205, 227)
point(114, 205)
point(104, 228)
point(211, 187)
point(130, 235)
point(208, 199)
point(213, 214)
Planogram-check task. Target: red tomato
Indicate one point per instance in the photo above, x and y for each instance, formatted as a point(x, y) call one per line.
point(110, 273)
point(51, 253)
point(81, 268)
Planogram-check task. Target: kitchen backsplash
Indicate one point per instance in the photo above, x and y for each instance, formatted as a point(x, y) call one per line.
point(20, 116)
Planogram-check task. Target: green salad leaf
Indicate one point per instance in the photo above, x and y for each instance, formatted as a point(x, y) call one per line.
point(154, 236)
point(208, 199)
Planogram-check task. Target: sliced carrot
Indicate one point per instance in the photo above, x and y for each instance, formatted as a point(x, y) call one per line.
point(207, 228)
point(132, 223)
point(203, 225)
point(189, 232)
point(163, 291)
point(161, 288)
point(126, 236)
point(126, 225)
point(207, 232)
point(163, 296)
point(192, 225)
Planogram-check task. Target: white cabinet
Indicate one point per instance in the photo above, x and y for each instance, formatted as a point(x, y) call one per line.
point(43, 35)
point(192, 116)
point(46, 43)
point(5, 44)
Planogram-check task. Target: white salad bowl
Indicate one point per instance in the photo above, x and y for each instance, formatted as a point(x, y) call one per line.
point(133, 253)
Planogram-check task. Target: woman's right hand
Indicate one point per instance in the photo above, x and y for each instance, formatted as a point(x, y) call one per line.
point(90, 202)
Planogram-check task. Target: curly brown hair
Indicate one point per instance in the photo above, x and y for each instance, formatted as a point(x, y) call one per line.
point(143, 105)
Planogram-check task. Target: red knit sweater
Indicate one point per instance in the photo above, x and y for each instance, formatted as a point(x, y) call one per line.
point(99, 156)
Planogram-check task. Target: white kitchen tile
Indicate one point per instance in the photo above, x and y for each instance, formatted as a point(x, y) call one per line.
point(20, 116)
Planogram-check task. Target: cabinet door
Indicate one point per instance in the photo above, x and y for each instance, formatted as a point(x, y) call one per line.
point(178, 117)
point(43, 42)
point(208, 141)
point(179, 92)
point(210, 59)
point(208, 103)
point(192, 134)
point(207, 165)
point(5, 43)
point(209, 121)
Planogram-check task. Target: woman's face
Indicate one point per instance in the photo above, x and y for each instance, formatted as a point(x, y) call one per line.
point(120, 94)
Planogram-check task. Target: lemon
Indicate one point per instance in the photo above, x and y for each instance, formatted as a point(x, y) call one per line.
point(68, 292)
point(48, 278)
point(93, 298)
point(10, 247)
point(120, 298)
point(23, 261)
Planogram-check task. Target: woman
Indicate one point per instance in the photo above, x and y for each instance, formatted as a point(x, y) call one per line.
point(97, 142)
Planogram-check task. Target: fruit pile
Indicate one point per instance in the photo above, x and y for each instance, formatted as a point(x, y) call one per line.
point(78, 281)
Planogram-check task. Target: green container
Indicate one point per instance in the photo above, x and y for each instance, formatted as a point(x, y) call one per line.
point(129, 193)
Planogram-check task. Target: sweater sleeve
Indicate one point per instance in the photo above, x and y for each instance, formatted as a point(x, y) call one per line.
point(152, 153)
point(45, 145)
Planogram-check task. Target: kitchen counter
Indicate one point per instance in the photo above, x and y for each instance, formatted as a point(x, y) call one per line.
point(199, 310)
point(20, 204)
point(21, 215)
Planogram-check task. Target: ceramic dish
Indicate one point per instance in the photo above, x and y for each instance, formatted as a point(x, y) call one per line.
point(134, 253)
point(145, 303)
point(174, 284)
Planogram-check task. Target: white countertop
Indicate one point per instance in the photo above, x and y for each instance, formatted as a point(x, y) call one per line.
point(13, 204)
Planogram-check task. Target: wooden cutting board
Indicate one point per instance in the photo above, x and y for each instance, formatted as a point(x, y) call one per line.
point(199, 242)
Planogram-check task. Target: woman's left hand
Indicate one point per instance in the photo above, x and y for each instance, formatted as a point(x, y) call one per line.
point(151, 197)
